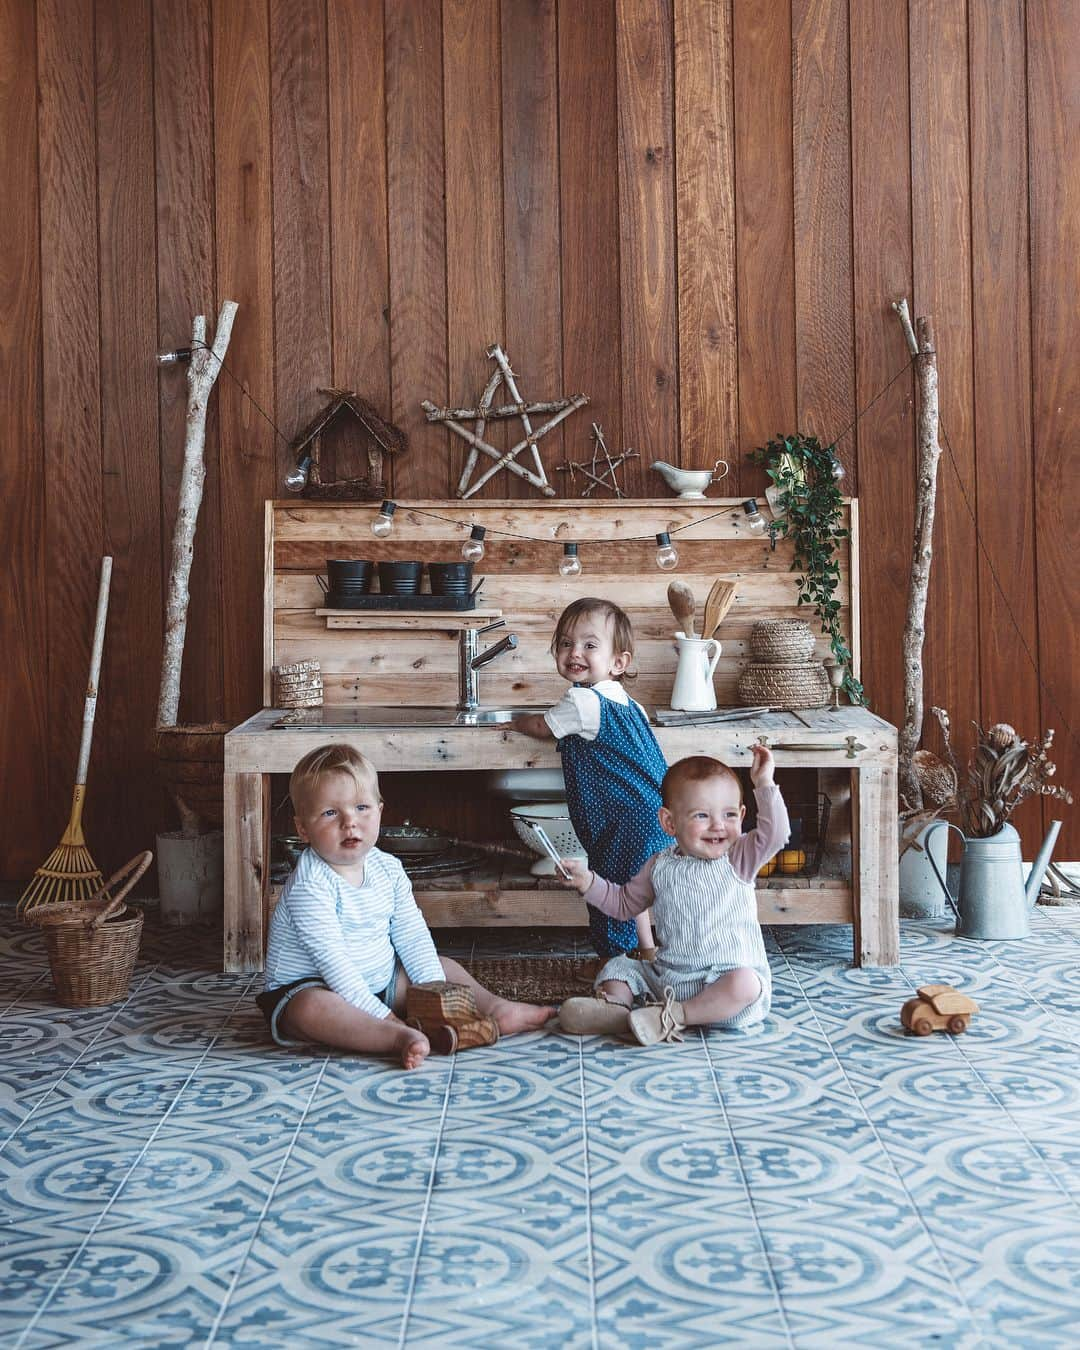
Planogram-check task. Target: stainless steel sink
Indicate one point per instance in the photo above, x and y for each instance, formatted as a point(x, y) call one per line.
point(331, 717)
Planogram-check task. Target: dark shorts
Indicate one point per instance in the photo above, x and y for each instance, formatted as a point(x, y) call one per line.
point(273, 1002)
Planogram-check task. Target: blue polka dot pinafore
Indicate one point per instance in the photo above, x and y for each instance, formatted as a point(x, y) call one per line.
point(613, 793)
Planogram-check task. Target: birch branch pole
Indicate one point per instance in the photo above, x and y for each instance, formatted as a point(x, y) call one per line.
point(202, 371)
point(920, 341)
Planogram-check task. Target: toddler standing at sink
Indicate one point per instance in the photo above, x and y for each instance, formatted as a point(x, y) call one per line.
point(347, 937)
point(611, 760)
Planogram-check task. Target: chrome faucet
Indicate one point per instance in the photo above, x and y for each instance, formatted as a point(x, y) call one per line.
point(471, 659)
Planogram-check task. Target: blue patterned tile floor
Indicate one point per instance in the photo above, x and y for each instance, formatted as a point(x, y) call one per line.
point(167, 1178)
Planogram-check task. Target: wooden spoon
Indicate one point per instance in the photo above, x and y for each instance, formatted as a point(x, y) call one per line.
point(681, 599)
point(721, 598)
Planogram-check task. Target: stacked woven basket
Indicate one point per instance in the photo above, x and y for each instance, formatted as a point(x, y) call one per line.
point(298, 686)
point(782, 672)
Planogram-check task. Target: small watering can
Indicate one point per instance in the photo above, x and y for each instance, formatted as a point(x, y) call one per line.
point(693, 691)
point(994, 901)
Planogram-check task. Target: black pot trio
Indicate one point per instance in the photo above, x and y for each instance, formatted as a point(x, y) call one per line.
point(347, 578)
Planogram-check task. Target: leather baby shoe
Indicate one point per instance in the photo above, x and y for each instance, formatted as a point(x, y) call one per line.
point(658, 1022)
point(448, 1016)
point(593, 1017)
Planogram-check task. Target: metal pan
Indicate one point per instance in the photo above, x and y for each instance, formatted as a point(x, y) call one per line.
point(411, 841)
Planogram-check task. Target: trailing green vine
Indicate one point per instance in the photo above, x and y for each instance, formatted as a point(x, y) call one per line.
point(806, 477)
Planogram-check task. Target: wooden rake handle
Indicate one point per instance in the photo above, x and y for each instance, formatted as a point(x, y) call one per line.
point(90, 706)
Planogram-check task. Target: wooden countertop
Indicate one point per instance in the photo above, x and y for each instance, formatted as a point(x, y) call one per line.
point(845, 737)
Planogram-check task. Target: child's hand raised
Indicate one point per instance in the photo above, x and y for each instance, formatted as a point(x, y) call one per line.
point(761, 770)
point(581, 876)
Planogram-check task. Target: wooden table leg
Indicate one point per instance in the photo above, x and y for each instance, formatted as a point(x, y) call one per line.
point(247, 871)
point(875, 866)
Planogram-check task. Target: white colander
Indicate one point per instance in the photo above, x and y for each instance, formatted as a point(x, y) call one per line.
point(554, 819)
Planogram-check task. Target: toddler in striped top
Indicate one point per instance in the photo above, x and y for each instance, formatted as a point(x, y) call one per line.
point(711, 968)
point(347, 937)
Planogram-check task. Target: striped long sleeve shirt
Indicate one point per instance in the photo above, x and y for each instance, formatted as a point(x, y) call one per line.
point(348, 935)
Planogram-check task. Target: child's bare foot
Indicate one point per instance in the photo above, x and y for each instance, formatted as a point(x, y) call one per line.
point(413, 1046)
point(513, 1017)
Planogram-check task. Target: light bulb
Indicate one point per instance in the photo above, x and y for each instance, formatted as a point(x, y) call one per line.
point(755, 521)
point(666, 556)
point(838, 470)
point(384, 521)
point(472, 550)
point(571, 563)
point(296, 480)
point(174, 357)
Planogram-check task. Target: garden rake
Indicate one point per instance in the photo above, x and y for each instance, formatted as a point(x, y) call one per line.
point(69, 873)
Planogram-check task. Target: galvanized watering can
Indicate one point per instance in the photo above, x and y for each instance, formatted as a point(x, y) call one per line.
point(994, 901)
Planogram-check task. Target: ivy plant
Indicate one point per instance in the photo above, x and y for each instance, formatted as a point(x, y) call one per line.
point(806, 477)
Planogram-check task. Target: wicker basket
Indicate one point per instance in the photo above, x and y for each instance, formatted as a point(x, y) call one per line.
point(781, 642)
point(92, 944)
point(793, 686)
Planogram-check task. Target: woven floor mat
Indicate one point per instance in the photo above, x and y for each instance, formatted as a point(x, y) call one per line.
point(535, 979)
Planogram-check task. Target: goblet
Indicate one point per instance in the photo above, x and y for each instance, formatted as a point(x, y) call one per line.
point(836, 670)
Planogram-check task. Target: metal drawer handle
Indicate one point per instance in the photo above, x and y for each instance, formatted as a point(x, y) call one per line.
point(851, 746)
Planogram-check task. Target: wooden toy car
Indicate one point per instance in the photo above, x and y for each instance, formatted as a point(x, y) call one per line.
point(939, 1007)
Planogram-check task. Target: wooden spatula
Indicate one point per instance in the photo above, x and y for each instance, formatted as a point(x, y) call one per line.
point(681, 599)
point(721, 598)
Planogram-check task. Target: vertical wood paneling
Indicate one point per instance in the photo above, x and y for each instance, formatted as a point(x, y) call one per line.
point(1002, 362)
point(763, 214)
point(941, 242)
point(71, 393)
point(186, 286)
point(531, 216)
point(697, 214)
point(244, 225)
point(824, 338)
point(299, 136)
point(358, 261)
point(472, 127)
point(31, 811)
point(647, 225)
point(417, 231)
point(881, 222)
point(127, 703)
point(1053, 81)
point(589, 196)
point(705, 170)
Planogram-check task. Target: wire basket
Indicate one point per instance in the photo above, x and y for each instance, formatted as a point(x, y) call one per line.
point(791, 686)
point(781, 642)
point(92, 944)
point(801, 855)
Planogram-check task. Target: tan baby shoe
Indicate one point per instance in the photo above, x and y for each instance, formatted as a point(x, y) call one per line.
point(448, 1016)
point(593, 1017)
point(658, 1021)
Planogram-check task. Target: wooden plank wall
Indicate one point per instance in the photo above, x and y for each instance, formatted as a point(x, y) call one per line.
point(696, 213)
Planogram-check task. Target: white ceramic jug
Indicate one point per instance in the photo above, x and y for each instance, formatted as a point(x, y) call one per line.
point(693, 691)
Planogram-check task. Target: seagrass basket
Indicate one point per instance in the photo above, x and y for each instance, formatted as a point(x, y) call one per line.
point(92, 944)
point(792, 686)
point(781, 642)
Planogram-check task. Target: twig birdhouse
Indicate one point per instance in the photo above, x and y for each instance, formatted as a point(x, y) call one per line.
point(346, 432)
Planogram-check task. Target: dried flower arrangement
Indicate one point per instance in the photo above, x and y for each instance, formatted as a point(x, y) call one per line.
point(1003, 770)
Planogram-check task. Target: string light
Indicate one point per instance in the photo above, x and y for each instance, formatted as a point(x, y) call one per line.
point(755, 521)
point(296, 480)
point(571, 563)
point(472, 550)
point(666, 555)
point(384, 521)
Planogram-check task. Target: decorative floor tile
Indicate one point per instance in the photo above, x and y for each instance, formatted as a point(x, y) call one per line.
point(169, 1178)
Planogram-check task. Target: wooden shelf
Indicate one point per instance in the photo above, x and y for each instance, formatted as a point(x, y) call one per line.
point(507, 897)
point(442, 620)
